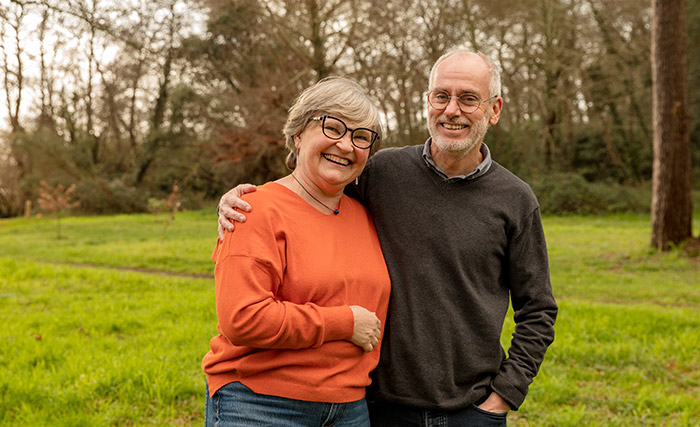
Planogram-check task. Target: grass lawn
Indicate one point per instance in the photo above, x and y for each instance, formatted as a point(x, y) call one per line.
point(108, 325)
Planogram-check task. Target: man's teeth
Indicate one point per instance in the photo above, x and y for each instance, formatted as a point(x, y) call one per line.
point(453, 127)
point(336, 159)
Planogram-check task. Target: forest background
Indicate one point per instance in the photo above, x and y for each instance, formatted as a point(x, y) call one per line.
point(131, 100)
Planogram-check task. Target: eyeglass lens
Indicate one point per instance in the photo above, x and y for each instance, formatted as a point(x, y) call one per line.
point(336, 128)
point(468, 103)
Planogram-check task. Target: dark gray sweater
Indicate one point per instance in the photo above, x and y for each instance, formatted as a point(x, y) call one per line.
point(456, 251)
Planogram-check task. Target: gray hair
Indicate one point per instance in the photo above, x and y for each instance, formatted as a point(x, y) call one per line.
point(337, 96)
point(494, 73)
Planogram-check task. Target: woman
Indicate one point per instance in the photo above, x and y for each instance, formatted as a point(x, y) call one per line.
point(301, 287)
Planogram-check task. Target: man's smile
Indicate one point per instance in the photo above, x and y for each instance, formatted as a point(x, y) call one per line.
point(453, 126)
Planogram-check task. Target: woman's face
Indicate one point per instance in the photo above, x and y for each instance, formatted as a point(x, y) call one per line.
point(331, 164)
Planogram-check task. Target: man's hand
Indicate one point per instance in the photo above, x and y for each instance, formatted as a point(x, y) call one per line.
point(229, 201)
point(367, 329)
point(495, 403)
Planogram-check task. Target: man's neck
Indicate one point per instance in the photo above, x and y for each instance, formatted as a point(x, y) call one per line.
point(455, 163)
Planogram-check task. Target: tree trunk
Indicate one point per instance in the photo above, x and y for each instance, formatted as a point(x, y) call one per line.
point(671, 205)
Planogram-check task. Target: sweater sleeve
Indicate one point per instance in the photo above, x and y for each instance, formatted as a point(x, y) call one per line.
point(249, 270)
point(535, 311)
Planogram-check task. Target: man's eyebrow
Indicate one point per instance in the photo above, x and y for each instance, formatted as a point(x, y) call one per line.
point(459, 91)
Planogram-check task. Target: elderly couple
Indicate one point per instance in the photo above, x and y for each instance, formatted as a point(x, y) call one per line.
point(306, 321)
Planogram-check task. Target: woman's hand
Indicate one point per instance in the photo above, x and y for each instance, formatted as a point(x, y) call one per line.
point(367, 328)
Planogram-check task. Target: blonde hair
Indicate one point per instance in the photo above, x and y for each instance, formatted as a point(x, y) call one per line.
point(337, 96)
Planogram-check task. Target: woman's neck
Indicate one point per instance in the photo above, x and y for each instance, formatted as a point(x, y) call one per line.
point(312, 193)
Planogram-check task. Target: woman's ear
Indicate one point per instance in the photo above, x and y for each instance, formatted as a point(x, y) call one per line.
point(297, 141)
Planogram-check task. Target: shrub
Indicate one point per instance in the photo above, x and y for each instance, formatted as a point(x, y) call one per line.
point(570, 193)
point(11, 200)
point(99, 196)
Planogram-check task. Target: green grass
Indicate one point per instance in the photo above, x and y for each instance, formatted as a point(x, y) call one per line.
point(627, 344)
point(136, 241)
point(85, 341)
point(99, 347)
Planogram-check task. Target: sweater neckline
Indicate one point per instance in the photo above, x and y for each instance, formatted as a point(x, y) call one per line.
point(303, 202)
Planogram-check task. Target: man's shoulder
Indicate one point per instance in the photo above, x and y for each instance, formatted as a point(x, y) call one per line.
point(406, 150)
point(510, 185)
point(393, 154)
point(508, 177)
point(384, 169)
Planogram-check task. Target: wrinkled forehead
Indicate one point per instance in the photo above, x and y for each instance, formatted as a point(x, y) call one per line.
point(462, 72)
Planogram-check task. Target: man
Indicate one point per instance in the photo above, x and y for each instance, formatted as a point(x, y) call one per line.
point(462, 237)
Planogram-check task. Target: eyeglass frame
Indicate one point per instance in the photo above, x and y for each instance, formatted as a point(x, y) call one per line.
point(459, 104)
point(375, 135)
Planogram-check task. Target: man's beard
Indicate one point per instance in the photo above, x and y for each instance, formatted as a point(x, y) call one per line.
point(476, 134)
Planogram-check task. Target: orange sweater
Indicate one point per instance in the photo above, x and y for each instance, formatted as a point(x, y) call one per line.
point(285, 279)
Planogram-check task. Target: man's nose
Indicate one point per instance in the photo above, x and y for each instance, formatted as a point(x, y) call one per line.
point(452, 108)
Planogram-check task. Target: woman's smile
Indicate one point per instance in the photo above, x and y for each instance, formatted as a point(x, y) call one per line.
point(335, 159)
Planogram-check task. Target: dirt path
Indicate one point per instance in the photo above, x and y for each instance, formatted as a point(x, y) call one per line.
point(134, 269)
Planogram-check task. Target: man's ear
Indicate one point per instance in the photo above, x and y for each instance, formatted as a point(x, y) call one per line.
point(495, 112)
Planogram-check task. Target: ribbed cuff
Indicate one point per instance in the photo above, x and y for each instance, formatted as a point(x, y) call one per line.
point(339, 323)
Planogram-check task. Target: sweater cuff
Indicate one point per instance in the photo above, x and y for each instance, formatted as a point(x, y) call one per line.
point(513, 397)
point(339, 323)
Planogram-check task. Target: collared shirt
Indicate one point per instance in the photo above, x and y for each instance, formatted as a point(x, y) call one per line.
point(480, 170)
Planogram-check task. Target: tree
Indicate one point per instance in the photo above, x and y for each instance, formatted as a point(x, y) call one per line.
point(56, 200)
point(671, 206)
point(618, 89)
point(13, 74)
point(123, 98)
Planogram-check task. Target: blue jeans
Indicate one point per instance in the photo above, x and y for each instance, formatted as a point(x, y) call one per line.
point(389, 415)
point(235, 405)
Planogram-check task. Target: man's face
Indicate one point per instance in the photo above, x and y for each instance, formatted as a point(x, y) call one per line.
point(458, 135)
point(452, 130)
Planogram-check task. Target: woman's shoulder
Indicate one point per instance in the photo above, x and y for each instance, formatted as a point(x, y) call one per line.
point(262, 222)
point(267, 195)
point(264, 191)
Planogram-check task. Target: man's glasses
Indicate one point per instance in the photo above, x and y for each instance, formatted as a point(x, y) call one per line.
point(468, 102)
point(334, 128)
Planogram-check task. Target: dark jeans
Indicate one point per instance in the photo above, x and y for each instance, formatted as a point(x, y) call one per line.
point(390, 415)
